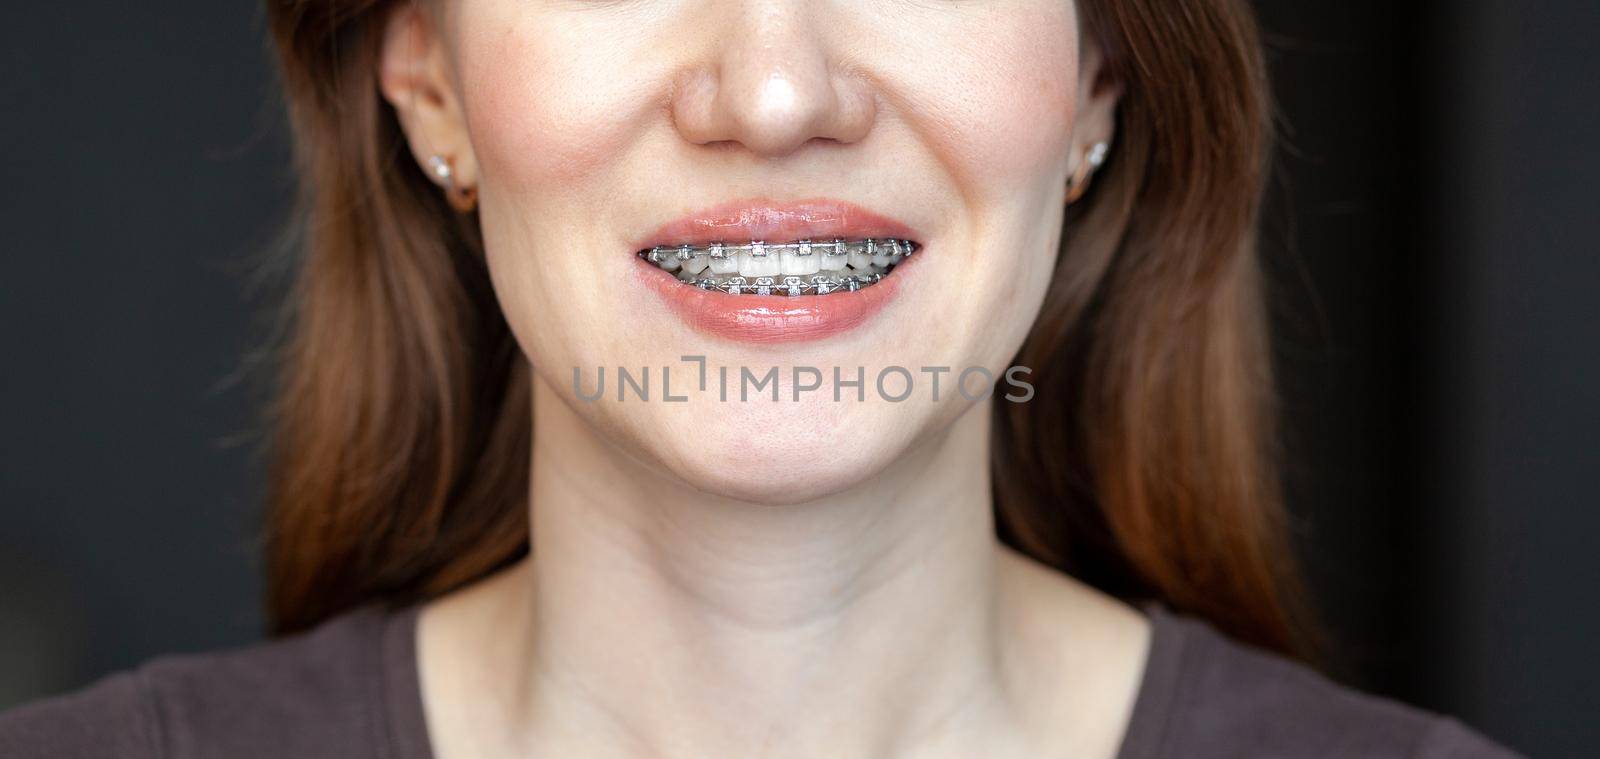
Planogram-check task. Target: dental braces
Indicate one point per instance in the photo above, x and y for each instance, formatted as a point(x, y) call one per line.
point(758, 249)
point(819, 284)
point(883, 254)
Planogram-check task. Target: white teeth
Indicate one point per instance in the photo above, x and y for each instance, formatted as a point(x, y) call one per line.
point(881, 254)
point(860, 260)
point(763, 265)
point(800, 264)
point(832, 261)
point(724, 264)
point(697, 264)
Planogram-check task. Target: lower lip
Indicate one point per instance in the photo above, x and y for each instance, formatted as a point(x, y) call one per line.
point(770, 318)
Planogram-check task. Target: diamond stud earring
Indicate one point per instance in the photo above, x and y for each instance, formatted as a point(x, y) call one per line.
point(1079, 184)
point(463, 199)
point(441, 169)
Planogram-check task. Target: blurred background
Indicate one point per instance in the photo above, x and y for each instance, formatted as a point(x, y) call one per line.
point(1432, 236)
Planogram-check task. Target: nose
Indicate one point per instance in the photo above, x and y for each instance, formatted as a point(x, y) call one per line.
point(772, 81)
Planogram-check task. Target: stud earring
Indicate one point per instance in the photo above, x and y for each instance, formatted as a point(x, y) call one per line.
point(1079, 184)
point(463, 199)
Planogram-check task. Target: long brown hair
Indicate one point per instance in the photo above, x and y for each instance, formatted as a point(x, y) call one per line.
point(1145, 464)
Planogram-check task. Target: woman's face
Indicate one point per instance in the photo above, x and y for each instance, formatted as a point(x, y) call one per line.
point(595, 130)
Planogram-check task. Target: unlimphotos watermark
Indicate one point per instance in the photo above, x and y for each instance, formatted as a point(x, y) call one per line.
point(895, 384)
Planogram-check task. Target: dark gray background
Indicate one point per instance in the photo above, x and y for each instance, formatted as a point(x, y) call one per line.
point(1431, 240)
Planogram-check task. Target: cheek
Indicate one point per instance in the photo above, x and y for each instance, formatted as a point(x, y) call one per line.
point(544, 107)
point(1002, 98)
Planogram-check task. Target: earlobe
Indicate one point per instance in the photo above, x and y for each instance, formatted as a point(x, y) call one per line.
point(413, 76)
point(462, 197)
point(1092, 160)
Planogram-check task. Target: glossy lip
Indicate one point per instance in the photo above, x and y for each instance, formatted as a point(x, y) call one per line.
point(741, 221)
point(768, 319)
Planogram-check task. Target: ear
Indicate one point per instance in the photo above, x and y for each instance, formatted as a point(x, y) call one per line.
point(1098, 95)
point(414, 75)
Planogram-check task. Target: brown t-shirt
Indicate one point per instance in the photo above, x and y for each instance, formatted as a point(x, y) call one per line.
point(349, 690)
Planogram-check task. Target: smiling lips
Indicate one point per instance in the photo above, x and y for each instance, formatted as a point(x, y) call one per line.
point(797, 268)
point(763, 272)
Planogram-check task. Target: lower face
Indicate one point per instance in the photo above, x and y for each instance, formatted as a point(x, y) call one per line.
point(642, 200)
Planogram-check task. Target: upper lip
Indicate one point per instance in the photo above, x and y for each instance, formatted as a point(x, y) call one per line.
point(765, 220)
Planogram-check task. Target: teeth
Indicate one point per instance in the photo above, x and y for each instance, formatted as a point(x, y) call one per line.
point(665, 259)
point(803, 267)
point(884, 253)
point(758, 262)
point(833, 257)
point(800, 262)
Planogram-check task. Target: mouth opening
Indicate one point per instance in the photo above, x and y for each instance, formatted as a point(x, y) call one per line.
point(801, 267)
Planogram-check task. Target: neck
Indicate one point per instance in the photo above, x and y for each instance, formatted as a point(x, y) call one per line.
point(689, 625)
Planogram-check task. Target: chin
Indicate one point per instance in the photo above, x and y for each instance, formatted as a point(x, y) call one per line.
point(780, 453)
